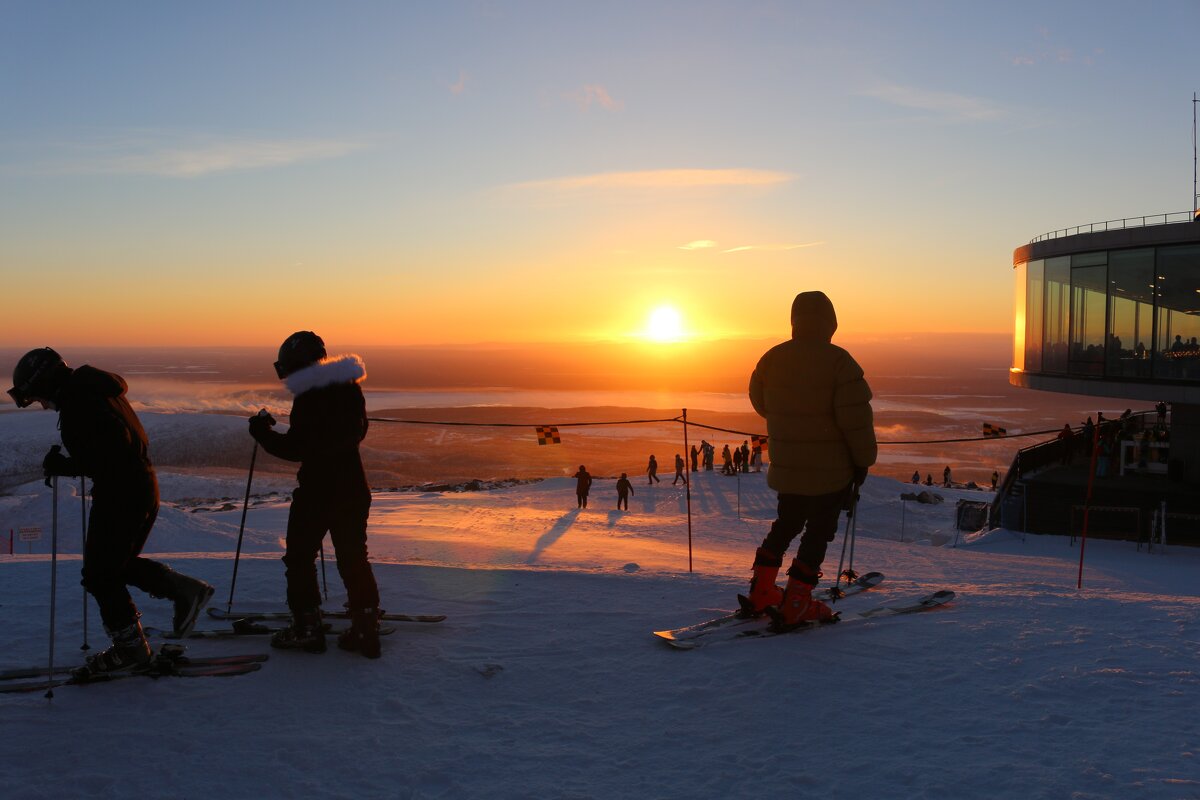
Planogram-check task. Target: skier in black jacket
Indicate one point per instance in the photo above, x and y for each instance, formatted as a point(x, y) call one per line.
point(328, 421)
point(107, 443)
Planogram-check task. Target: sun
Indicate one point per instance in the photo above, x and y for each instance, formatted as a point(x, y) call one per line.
point(665, 325)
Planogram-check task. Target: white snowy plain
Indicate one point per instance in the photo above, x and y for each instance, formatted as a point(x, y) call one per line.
point(545, 680)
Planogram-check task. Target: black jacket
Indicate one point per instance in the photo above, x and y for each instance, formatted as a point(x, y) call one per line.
point(103, 436)
point(328, 421)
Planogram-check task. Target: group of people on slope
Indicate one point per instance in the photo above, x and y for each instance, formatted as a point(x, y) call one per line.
point(106, 442)
point(812, 393)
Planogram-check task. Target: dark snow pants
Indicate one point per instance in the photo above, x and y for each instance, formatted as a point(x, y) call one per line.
point(344, 516)
point(813, 517)
point(118, 526)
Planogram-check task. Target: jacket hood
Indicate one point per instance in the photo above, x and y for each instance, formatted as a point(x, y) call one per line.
point(89, 380)
point(813, 317)
point(327, 372)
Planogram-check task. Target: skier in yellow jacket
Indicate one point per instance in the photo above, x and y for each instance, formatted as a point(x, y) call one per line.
point(819, 421)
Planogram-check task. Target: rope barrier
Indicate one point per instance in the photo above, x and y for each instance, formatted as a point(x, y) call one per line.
point(689, 422)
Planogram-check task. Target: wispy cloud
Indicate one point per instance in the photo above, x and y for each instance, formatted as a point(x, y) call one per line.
point(193, 159)
point(699, 244)
point(594, 95)
point(772, 248)
point(1047, 50)
point(661, 179)
point(944, 104)
point(461, 85)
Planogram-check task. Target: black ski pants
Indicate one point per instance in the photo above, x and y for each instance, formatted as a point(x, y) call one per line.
point(344, 517)
point(813, 517)
point(120, 522)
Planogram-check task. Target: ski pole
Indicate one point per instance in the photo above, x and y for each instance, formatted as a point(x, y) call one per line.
point(242, 527)
point(83, 554)
point(53, 482)
point(847, 537)
point(324, 583)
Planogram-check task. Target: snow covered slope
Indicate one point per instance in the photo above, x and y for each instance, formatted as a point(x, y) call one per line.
point(546, 682)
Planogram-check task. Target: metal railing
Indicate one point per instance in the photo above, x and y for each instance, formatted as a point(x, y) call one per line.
point(1118, 225)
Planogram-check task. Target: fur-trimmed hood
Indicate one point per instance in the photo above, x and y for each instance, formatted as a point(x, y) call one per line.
point(326, 372)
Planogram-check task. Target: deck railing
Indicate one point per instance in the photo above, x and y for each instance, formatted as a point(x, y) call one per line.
point(1119, 225)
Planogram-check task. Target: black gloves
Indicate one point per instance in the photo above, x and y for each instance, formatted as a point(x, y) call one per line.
point(55, 463)
point(260, 423)
point(860, 476)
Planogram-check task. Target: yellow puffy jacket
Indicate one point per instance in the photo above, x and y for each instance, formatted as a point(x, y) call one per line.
point(817, 405)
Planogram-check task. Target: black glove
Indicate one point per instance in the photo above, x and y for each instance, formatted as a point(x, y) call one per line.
point(860, 476)
point(55, 463)
point(260, 423)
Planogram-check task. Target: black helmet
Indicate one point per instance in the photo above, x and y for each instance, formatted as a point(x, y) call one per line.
point(37, 374)
point(298, 351)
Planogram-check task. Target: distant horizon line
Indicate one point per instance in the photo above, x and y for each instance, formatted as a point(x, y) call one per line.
point(861, 338)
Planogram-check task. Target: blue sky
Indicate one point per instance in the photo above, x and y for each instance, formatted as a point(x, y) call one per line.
point(220, 173)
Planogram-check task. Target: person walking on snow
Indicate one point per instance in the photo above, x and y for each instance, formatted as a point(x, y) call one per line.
point(624, 489)
point(583, 484)
point(817, 405)
point(328, 422)
point(106, 442)
point(679, 467)
point(652, 471)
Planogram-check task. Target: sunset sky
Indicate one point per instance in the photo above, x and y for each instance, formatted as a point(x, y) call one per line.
point(398, 173)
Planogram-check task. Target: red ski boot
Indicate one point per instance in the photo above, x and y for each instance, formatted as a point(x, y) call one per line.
point(799, 606)
point(763, 591)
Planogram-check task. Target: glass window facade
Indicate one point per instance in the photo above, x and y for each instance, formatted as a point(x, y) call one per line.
point(1124, 314)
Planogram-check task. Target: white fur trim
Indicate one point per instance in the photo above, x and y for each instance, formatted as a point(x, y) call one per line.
point(326, 372)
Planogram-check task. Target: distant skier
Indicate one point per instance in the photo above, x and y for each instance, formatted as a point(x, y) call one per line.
point(995, 479)
point(946, 477)
point(727, 458)
point(624, 489)
point(818, 410)
point(680, 465)
point(328, 421)
point(745, 456)
point(583, 484)
point(107, 443)
point(652, 471)
point(695, 457)
point(916, 478)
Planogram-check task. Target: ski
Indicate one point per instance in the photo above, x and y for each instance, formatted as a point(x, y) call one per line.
point(244, 627)
point(740, 619)
point(762, 627)
point(169, 662)
point(202, 661)
point(217, 613)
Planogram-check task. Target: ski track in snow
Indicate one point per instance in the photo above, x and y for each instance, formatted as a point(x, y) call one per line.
point(545, 680)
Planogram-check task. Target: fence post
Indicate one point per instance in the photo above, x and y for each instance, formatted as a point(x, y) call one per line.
point(687, 485)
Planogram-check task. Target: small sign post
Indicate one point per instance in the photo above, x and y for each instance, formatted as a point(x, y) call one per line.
point(31, 534)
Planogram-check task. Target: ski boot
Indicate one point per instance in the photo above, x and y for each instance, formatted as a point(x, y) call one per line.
point(306, 633)
point(799, 606)
point(763, 591)
point(363, 634)
point(190, 596)
point(130, 652)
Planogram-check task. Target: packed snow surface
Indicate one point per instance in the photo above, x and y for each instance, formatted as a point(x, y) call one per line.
point(545, 680)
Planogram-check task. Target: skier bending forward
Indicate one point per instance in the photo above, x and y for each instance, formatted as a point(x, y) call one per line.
point(106, 443)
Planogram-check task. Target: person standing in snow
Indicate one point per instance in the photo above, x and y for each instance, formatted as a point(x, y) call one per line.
point(583, 484)
point(328, 421)
point(695, 457)
point(106, 442)
point(819, 419)
point(946, 477)
point(727, 458)
point(745, 456)
point(624, 489)
point(652, 471)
